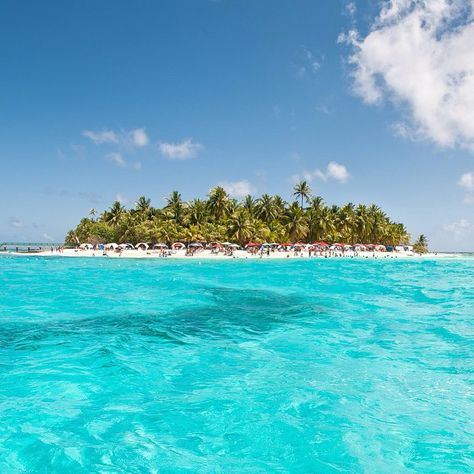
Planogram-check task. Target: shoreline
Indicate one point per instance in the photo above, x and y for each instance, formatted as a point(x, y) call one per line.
point(238, 255)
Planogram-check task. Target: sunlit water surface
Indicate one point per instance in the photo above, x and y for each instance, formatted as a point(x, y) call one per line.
point(237, 366)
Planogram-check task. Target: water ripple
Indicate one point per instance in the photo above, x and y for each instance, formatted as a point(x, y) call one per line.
point(301, 366)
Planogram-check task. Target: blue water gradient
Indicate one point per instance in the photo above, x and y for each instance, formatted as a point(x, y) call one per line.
point(236, 366)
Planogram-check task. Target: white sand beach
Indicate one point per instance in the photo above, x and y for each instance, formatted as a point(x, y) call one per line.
point(209, 254)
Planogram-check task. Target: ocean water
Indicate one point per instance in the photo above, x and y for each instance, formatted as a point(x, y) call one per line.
point(314, 366)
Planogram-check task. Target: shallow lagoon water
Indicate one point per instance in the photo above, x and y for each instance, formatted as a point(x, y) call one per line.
point(236, 366)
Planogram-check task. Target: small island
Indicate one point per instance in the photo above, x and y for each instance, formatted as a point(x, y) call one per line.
point(223, 224)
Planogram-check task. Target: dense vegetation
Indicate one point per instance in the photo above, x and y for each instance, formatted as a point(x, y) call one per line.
point(221, 218)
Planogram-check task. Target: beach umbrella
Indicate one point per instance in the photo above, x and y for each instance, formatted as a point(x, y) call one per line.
point(252, 244)
point(142, 245)
point(160, 246)
point(178, 245)
point(195, 244)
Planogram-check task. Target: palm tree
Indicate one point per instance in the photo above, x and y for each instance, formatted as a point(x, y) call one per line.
point(265, 208)
point(345, 222)
point(296, 223)
point(240, 228)
point(218, 202)
point(279, 205)
point(93, 212)
point(143, 205)
point(248, 204)
point(302, 191)
point(176, 206)
point(115, 213)
point(421, 244)
point(197, 212)
point(361, 223)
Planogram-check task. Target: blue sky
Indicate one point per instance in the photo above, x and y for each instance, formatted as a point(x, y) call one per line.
point(108, 99)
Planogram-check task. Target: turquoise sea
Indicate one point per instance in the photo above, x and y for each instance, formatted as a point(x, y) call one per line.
point(169, 366)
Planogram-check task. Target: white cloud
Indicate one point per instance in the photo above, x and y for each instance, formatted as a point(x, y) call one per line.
point(351, 9)
point(308, 63)
point(459, 228)
point(135, 138)
point(180, 151)
point(139, 137)
point(116, 158)
point(238, 189)
point(420, 55)
point(313, 64)
point(14, 222)
point(467, 181)
point(100, 137)
point(334, 171)
point(337, 172)
point(137, 165)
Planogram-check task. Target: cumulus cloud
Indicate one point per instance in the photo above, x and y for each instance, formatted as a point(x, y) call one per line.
point(334, 171)
point(139, 137)
point(238, 189)
point(116, 158)
point(337, 172)
point(48, 237)
point(420, 55)
point(459, 228)
point(100, 137)
point(467, 181)
point(180, 151)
